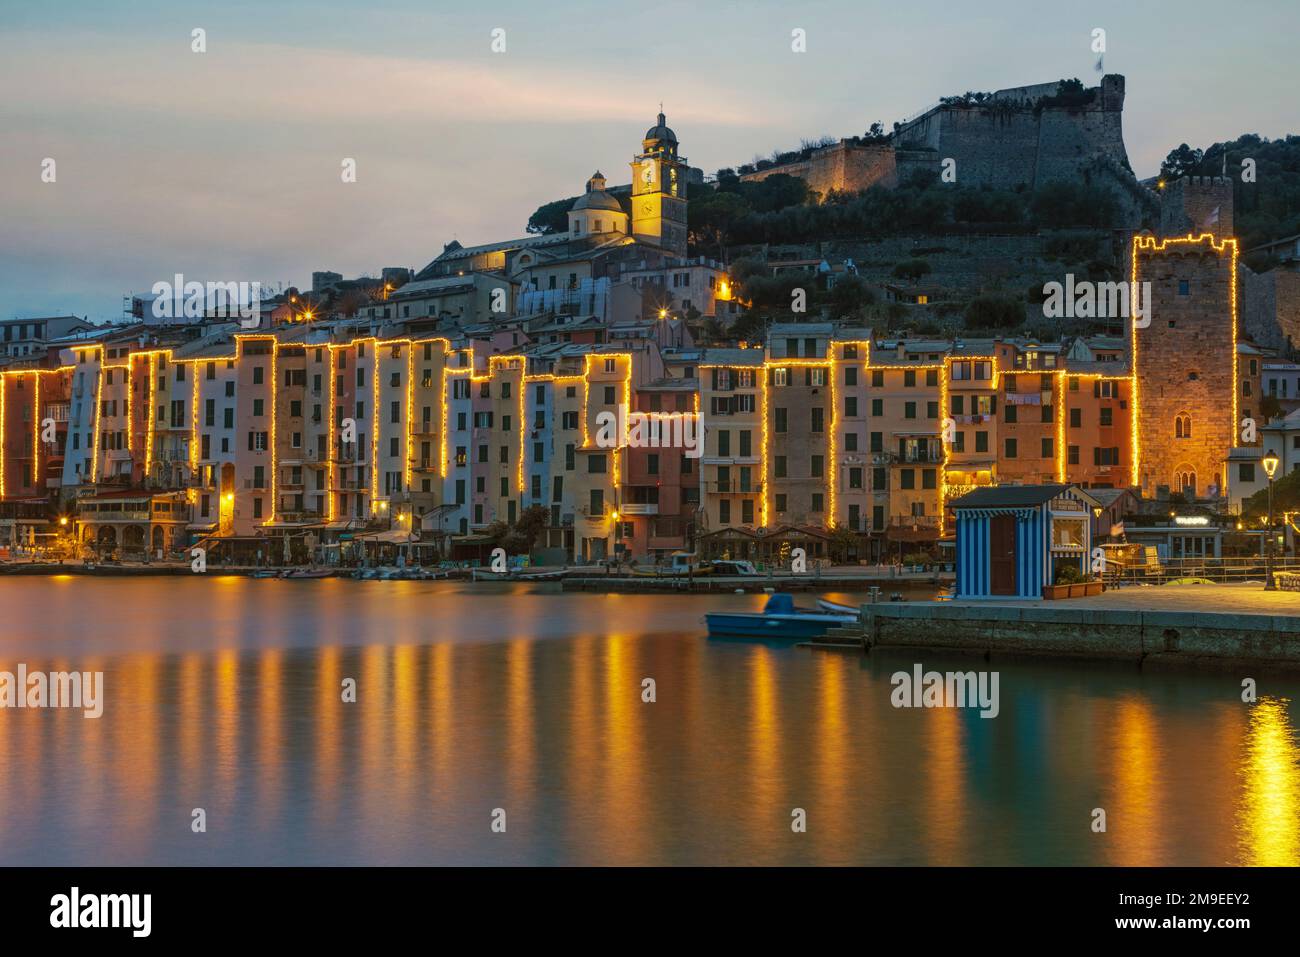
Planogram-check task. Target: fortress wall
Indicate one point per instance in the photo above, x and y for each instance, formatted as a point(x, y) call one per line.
point(1067, 140)
point(843, 167)
point(1270, 308)
point(992, 148)
point(1004, 146)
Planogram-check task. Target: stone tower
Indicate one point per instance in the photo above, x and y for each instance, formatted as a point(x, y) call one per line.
point(1196, 204)
point(1184, 364)
point(659, 191)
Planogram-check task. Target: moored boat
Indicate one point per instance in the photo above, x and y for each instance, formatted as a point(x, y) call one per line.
point(780, 618)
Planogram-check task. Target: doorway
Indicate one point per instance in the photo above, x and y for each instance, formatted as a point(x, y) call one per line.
point(1002, 555)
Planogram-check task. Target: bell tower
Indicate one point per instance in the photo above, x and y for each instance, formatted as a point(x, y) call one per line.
point(659, 191)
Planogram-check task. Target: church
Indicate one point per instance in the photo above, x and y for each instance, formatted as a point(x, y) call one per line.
point(644, 223)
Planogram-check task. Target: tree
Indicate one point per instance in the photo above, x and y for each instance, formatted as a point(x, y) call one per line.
point(851, 294)
point(912, 269)
point(843, 543)
point(530, 525)
point(1286, 498)
point(1181, 162)
point(551, 217)
point(994, 312)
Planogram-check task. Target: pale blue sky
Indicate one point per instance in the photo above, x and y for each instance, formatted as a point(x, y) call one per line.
point(225, 165)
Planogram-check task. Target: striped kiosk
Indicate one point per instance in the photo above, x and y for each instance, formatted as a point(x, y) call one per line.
point(1014, 539)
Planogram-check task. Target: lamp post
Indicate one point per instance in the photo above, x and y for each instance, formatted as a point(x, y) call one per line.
point(1270, 467)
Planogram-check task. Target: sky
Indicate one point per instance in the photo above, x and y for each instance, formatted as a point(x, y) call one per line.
point(226, 165)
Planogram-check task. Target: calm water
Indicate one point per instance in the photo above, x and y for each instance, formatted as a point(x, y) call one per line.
point(225, 694)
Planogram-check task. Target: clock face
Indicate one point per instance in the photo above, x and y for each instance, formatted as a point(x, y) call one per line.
point(647, 208)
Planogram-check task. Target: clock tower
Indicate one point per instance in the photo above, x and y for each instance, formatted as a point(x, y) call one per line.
point(659, 191)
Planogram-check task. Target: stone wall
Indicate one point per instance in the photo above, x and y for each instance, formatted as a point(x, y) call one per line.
point(1196, 204)
point(845, 166)
point(1270, 308)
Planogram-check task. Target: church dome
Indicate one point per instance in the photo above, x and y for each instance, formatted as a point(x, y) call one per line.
point(595, 197)
point(660, 133)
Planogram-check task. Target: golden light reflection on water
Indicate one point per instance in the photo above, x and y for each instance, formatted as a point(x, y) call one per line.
point(525, 715)
point(1268, 816)
point(1133, 813)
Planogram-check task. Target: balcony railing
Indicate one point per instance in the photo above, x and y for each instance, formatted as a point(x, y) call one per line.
point(735, 487)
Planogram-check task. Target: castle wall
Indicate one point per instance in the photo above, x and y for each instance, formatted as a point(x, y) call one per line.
point(1270, 308)
point(1005, 144)
point(843, 167)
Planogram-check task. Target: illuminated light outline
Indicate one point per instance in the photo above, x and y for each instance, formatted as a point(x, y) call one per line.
point(4, 387)
point(36, 431)
point(832, 477)
point(1153, 246)
point(330, 473)
point(99, 392)
point(149, 416)
point(1059, 398)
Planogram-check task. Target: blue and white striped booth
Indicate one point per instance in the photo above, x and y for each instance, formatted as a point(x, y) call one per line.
point(1012, 538)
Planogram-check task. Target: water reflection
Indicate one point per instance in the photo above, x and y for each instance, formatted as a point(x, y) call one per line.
point(466, 703)
point(1268, 821)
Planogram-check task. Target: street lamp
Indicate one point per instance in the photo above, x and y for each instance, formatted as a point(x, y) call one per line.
point(1270, 467)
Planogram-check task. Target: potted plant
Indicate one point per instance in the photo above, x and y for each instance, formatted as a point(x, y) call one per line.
point(1068, 579)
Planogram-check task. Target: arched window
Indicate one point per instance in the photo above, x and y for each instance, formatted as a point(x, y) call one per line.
point(1183, 425)
point(1185, 480)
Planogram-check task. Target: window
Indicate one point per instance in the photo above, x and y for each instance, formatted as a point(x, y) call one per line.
point(816, 466)
point(981, 441)
point(1183, 425)
point(1048, 451)
point(1011, 448)
point(818, 419)
point(780, 420)
point(596, 463)
point(1246, 472)
point(1107, 415)
point(780, 502)
point(1010, 413)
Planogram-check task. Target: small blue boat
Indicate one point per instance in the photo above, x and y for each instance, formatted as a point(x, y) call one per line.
point(779, 619)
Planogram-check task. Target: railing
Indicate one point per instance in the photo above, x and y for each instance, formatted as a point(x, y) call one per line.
point(737, 487)
point(914, 521)
point(1233, 569)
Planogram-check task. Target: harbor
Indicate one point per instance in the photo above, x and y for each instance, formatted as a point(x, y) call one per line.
point(472, 697)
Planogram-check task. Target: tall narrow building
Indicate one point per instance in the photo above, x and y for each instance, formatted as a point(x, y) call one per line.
point(1184, 364)
point(659, 191)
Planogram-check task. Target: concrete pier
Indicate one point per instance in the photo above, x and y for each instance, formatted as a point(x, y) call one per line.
point(1226, 625)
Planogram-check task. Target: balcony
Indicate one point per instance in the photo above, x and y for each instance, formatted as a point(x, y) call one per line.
point(914, 521)
point(736, 487)
point(633, 508)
